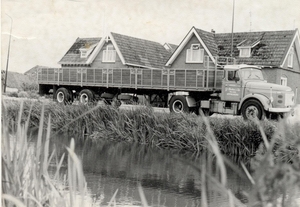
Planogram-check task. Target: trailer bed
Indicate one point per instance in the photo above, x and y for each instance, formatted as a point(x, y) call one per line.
point(135, 78)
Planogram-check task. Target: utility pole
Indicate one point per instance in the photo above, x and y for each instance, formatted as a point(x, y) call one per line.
point(6, 70)
point(231, 51)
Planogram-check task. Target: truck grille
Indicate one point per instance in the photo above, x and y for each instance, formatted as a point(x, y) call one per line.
point(289, 99)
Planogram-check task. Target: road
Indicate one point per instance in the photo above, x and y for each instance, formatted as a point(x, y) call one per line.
point(290, 119)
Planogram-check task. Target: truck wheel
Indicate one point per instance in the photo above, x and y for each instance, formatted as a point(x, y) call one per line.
point(252, 109)
point(63, 95)
point(178, 104)
point(86, 96)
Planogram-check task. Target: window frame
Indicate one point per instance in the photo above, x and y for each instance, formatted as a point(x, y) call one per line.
point(241, 49)
point(109, 48)
point(189, 54)
point(84, 53)
point(283, 81)
point(290, 59)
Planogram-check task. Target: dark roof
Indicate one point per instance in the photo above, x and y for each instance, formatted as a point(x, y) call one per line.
point(141, 52)
point(209, 40)
point(73, 54)
point(271, 49)
point(34, 70)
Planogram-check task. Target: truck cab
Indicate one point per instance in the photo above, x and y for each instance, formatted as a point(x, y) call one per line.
point(246, 92)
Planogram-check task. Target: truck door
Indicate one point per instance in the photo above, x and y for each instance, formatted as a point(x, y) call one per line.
point(231, 86)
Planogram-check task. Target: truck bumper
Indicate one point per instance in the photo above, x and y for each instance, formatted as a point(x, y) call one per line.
point(280, 110)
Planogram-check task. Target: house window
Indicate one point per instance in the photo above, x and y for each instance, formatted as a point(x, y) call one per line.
point(245, 52)
point(195, 54)
point(83, 53)
point(290, 58)
point(109, 54)
point(283, 81)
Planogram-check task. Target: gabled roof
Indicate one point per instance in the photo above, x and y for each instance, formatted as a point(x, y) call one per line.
point(269, 48)
point(34, 70)
point(132, 51)
point(205, 38)
point(73, 54)
point(140, 52)
point(209, 40)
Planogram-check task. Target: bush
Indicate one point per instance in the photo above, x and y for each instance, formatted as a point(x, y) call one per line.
point(13, 94)
point(23, 94)
point(33, 94)
point(30, 86)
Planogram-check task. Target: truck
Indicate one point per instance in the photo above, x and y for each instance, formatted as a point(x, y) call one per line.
point(221, 87)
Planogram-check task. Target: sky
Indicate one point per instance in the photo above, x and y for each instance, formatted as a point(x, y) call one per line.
point(44, 30)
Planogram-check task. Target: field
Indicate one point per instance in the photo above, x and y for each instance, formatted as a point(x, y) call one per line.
point(275, 146)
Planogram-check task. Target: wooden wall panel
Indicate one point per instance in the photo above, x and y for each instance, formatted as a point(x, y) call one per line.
point(180, 78)
point(191, 78)
point(98, 75)
point(146, 76)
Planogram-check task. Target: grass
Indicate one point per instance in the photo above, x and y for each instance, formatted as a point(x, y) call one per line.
point(182, 132)
point(26, 181)
point(25, 177)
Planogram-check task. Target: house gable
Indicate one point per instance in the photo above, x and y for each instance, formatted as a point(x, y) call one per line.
point(181, 60)
point(100, 45)
point(107, 57)
point(206, 40)
point(294, 50)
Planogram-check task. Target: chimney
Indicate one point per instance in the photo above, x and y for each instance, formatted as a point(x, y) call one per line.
point(213, 31)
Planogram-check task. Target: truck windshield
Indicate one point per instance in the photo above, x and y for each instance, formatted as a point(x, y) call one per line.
point(251, 74)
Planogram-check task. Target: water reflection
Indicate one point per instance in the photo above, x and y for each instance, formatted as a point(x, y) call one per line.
point(167, 178)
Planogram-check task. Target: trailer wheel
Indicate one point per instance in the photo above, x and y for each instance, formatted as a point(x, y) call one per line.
point(178, 104)
point(252, 109)
point(63, 95)
point(86, 96)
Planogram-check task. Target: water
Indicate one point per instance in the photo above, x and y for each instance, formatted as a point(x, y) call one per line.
point(167, 178)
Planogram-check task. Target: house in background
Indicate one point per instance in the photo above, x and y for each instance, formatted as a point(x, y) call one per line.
point(116, 51)
point(277, 52)
point(33, 73)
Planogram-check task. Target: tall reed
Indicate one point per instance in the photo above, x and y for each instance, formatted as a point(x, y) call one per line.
point(182, 132)
point(25, 165)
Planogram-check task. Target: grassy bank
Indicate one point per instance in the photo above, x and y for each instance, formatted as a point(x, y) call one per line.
point(183, 132)
point(26, 182)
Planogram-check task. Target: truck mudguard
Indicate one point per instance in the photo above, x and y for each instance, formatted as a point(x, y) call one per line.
point(190, 101)
point(265, 101)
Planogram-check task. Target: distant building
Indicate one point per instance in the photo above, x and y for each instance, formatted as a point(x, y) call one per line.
point(33, 72)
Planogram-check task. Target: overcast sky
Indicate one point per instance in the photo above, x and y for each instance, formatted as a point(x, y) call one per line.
point(43, 30)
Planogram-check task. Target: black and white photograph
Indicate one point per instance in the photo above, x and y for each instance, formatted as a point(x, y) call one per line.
point(150, 103)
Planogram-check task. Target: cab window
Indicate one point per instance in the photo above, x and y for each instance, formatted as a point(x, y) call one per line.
point(230, 75)
point(233, 75)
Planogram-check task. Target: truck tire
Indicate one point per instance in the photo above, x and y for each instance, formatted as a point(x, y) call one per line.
point(252, 109)
point(63, 95)
point(178, 104)
point(86, 96)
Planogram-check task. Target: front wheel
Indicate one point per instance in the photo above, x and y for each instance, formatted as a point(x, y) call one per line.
point(252, 109)
point(178, 104)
